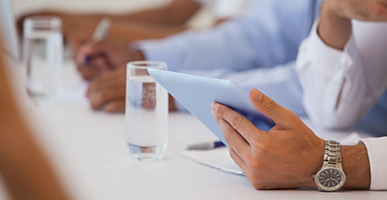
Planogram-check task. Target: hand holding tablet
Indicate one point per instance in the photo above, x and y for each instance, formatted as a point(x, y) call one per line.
point(197, 93)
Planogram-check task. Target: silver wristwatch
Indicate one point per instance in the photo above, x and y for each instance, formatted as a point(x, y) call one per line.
point(331, 177)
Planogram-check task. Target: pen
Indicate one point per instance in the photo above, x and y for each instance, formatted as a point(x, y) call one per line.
point(205, 146)
point(99, 34)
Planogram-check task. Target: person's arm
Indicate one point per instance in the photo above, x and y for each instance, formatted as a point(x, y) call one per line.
point(129, 31)
point(175, 13)
point(341, 73)
point(24, 167)
point(251, 42)
point(289, 154)
point(266, 36)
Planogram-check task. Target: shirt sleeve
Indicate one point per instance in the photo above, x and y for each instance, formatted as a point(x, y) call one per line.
point(268, 35)
point(337, 89)
point(377, 151)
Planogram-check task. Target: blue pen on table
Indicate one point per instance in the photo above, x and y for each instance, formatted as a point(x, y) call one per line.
point(99, 34)
point(205, 146)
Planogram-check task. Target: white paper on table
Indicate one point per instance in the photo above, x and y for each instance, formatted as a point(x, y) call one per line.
point(218, 158)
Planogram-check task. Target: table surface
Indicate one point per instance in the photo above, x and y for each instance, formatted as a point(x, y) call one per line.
point(89, 151)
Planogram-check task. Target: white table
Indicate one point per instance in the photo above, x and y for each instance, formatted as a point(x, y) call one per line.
point(88, 149)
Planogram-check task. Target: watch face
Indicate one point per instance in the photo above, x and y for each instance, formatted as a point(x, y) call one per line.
point(330, 179)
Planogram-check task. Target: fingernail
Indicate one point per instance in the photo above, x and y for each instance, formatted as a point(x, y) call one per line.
point(214, 108)
point(257, 95)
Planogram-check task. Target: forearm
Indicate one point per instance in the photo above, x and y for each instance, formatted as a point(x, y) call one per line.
point(177, 13)
point(336, 88)
point(130, 31)
point(24, 168)
point(356, 166)
point(333, 30)
point(26, 171)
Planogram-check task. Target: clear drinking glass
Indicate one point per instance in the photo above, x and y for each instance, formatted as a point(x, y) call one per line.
point(146, 112)
point(43, 57)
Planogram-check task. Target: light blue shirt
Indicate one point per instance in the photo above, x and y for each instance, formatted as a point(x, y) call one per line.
point(246, 49)
point(375, 121)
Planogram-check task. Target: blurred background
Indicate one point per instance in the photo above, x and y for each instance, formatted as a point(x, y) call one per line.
point(202, 19)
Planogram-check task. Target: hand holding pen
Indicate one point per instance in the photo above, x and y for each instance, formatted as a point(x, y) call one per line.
point(100, 53)
point(99, 34)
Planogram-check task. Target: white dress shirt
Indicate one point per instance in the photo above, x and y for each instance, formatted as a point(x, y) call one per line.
point(340, 87)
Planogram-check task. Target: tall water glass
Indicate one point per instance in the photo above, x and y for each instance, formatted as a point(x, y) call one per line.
point(43, 57)
point(146, 112)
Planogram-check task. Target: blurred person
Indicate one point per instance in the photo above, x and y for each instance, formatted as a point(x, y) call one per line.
point(147, 24)
point(257, 50)
point(343, 68)
point(24, 167)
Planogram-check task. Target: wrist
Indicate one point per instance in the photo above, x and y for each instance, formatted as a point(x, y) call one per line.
point(356, 166)
point(333, 29)
point(135, 53)
point(315, 162)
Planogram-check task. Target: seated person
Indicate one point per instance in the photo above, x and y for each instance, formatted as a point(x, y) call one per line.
point(343, 67)
point(290, 155)
point(24, 168)
point(147, 24)
point(257, 50)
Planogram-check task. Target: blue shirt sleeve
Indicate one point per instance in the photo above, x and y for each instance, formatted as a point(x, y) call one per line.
point(268, 35)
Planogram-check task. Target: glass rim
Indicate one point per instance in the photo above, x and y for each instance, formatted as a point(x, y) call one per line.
point(43, 21)
point(148, 64)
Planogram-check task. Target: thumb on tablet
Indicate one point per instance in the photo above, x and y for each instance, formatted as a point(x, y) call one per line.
point(269, 107)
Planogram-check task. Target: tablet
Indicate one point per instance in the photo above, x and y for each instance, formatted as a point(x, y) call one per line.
point(197, 93)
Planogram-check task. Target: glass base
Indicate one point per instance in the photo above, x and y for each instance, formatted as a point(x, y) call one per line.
point(43, 99)
point(146, 153)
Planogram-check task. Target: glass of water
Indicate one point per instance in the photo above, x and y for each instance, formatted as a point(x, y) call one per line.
point(43, 57)
point(146, 112)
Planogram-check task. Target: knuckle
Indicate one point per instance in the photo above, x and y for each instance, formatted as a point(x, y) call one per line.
point(94, 104)
point(109, 109)
point(100, 97)
point(236, 122)
point(102, 94)
point(255, 144)
point(227, 136)
point(113, 107)
point(256, 166)
point(262, 149)
point(270, 105)
point(253, 162)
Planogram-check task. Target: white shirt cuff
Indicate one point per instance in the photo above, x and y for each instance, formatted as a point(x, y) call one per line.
point(377, 152)
point(322, 53)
